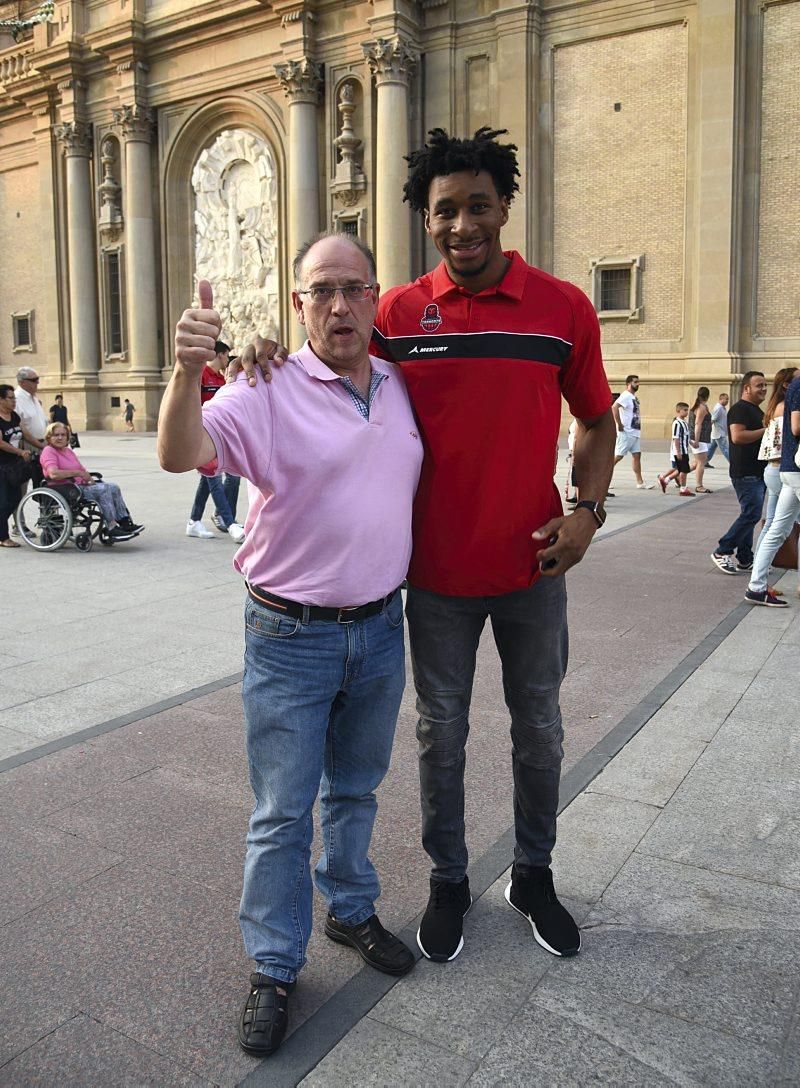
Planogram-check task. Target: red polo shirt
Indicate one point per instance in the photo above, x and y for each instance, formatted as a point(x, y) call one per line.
point(486, 373)
point(210, 381)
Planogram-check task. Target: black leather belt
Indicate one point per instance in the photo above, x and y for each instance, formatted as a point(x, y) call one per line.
point(298, 611)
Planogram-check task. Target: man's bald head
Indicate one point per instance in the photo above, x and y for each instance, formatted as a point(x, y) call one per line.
point(338, 237)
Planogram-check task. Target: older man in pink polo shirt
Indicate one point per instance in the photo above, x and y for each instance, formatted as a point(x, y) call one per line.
point(333, 456)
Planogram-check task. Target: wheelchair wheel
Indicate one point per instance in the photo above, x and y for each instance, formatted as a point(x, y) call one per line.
point(44, 519)
point(83, 542)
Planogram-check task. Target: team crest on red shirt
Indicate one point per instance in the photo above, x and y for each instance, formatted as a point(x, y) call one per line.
point(431, 318)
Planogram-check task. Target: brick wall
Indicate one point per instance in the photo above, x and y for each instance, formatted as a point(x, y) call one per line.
point(778, 298)
point(620, 176)
point(20, 264)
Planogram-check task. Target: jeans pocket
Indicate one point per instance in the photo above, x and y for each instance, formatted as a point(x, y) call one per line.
point(268, 624)
point(393, 612)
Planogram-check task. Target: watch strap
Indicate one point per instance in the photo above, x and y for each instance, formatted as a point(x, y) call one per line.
point(596, 509)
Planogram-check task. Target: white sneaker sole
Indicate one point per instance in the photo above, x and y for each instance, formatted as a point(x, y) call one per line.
point(537, 935)
point(725, 570)
point(460, 943)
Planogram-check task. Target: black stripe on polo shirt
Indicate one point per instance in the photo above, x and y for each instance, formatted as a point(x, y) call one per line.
point(476, 345)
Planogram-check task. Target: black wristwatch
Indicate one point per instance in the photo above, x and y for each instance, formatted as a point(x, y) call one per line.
point(596, 509)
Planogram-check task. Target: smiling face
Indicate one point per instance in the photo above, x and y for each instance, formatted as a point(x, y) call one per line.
point(464, 218)
point(756, 389)
point(339, 330)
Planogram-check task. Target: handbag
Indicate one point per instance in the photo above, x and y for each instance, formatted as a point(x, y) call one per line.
point(786, 556)
point(16, 472)
point(74, 441)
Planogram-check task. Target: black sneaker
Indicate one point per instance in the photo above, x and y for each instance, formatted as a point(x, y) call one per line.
point(533, 895)
point(440, 935)
point(766, 597)
point(742, 566)
point(264, 1015)
point(218, 522)
point(130, 526)
point(118, 533)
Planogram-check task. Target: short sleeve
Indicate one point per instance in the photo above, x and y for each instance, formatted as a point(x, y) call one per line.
point(583, 380)
point(239, 422)
point(48, 459)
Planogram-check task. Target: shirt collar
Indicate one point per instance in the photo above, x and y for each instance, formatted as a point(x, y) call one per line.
point(512, 285)
point(315, 368)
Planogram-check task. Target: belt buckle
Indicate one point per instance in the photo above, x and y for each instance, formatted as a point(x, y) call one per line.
point(350, 608)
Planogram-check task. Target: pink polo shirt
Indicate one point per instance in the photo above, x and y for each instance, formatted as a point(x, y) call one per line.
point(331, 492)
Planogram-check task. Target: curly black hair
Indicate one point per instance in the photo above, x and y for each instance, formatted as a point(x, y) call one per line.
point(449, 154)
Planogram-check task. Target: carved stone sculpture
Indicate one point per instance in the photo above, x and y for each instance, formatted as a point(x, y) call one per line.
point(236, 234)
point(109, 190)
point(349, 181)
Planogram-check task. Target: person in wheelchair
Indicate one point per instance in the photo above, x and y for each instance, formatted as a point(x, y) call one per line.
point(60, 465)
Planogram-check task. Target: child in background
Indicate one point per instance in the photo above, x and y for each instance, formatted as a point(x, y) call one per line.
point(679, 448)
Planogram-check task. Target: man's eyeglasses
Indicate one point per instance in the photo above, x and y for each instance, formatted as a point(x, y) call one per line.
point(30, 379)
point(352, 292)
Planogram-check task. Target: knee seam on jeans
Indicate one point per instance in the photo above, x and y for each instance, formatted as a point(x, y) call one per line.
point(539, 746)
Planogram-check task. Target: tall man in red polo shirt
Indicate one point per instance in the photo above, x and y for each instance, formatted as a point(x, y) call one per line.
point(488, 345)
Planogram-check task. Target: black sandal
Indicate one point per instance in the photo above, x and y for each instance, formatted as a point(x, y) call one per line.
point(262, 1024)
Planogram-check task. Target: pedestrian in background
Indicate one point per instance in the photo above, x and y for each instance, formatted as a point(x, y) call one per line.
point(628, 417)
point(679, 451)
point(745, 431)
point(719, 429)
point(788, 508)
point(771, 443)
point(700, 437)
point(212, 379)
point(127, 415)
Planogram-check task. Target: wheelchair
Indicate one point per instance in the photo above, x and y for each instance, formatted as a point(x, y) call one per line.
point(53, 513)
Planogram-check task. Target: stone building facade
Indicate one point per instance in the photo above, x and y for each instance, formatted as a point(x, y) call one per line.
point(144, 143)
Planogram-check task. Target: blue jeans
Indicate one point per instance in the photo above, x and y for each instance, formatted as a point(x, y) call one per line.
point(530, 632)
point(772, 482)
point(786, 513)
point(211, 485)
point(750, 491)
point(321, 702)
point(720, 443)
point(108, 497)
point(231, 488)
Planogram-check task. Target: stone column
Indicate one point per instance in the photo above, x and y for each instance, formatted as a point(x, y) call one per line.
point(136, 124)
point(713, 182)
point(76, 142)
point(301, 80)
point(391, 61)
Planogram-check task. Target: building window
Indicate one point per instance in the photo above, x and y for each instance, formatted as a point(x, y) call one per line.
point(617, 287)
point(113, 302)
point(351, 222)
point(114, 305)
point(22, 331)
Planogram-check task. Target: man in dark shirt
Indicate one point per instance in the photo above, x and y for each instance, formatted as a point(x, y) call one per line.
point(745, 429)
point(58, 411)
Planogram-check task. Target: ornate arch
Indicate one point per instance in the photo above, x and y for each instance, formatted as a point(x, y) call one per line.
point(198, 132)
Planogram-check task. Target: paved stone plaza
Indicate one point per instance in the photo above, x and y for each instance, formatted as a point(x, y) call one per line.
point(124, 801)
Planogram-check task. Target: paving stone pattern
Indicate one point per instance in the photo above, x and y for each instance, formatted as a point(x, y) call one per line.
point(121, 855)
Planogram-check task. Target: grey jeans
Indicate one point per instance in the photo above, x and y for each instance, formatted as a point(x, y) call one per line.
point(530, 632)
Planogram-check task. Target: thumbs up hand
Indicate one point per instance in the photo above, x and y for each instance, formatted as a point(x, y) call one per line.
point(197, 332)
